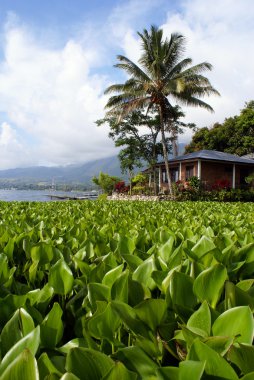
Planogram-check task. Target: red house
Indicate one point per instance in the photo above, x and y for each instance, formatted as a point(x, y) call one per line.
point(209, 166)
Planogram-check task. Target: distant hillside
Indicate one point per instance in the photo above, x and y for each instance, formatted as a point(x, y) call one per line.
point(62, 175)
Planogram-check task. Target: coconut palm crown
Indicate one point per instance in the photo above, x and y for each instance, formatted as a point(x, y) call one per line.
point(162, 76)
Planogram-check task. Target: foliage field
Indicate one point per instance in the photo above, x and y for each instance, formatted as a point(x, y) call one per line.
point(126, 290)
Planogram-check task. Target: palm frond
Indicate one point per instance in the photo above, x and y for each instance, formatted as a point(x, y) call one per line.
point(192, 101)
point(177, 69)
point(203, 66)
point(131, 68)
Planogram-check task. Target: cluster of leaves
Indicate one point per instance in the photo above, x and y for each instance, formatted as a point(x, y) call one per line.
point(126, 290)
point(221, 184)
point(106, 182)
point(120, 187)
point(235, 135)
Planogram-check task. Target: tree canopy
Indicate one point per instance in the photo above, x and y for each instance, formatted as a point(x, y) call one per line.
point(235, 135)
point(161, 76)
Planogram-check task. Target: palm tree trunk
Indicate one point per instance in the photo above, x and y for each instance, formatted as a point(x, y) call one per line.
point(154, 181)
point(130, 179)
point(174, 143)
point(165, 151)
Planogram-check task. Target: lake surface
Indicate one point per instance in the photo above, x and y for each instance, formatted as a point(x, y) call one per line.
point(36, 195)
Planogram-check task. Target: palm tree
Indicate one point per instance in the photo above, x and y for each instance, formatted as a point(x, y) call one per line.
point(162, 76)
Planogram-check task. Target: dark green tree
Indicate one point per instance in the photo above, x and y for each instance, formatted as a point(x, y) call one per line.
point(137, 135)
point(130, 158)
point(106, 182)
point(235, 135)
point(163, 76)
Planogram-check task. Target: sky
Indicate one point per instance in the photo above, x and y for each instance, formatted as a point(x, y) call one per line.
point(57, 57)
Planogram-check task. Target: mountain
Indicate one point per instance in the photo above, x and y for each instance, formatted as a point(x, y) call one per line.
point(72, 175)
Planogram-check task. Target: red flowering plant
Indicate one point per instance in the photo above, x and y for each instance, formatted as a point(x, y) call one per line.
point(120, 187)
point(221, 184)
point(180, 185)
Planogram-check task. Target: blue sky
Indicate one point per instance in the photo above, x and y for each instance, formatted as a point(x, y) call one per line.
point(56, 59)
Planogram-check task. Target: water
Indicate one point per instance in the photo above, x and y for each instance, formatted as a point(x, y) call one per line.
point(36, 195)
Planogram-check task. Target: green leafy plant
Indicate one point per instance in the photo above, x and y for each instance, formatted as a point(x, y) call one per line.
point(133, 290)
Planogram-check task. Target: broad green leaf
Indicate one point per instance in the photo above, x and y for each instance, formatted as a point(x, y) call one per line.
point(236, 322)
point(33, 271)
point(9, 248)
point(176, 258)
point(143, 273)
point(136, 360)
point(30, 341)
point(129, 318)
point(167, 328)
point(120, 372)
point(52, 327)
point(249, 376)
point(167, 373)
point(69, 376)
point(43, 298)
point(162, 234)
point(18, 326)
point(132, 261)
point(220, 344)
point(42, 253)
point(4, 269)
point(9, 304)
point(23, 367)
point(136, 292)
point(202, 247)
point(104, 324)
point(88, 364)
point(61, 278)
point(209, 284)
point(243, 357)
point(152, 312)
point(97, 292)
point(119, 291)
point(245, 285)
point(111, 276)
point(190, 369)
point(234, 296)
point(152, 346)
point(215, 365)
point(125, 245)
point(201, 319)
point(166, 250)
point(158, 277)
point(46, 367)
point(77, 342)
point(181, 294)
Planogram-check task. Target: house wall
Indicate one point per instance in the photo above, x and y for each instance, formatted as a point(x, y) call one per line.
point(185, 165)
point(212, 172)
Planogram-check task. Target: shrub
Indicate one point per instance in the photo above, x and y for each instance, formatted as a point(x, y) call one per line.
point(221, 184)
point(120, 187)
point(138, 189)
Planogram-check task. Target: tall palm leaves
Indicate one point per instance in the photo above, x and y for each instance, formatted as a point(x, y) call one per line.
point(161, 77)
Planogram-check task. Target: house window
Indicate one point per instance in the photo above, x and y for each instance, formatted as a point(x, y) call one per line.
point(228, 169)
point(174, 174)
point(164, 177)
point(189, 171)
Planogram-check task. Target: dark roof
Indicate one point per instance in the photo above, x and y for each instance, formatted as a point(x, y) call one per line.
point(212, 155)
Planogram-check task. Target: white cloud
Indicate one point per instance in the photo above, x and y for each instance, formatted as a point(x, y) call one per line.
point(52, 96)
point(220, 33)
point(11, 148)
